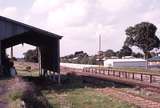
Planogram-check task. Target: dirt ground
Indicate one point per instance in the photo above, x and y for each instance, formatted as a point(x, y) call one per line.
point(4, 89)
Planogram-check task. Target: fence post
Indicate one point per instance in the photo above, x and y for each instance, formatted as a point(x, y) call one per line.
point(104, 71)
point(141, 77)
point(125, 74)
point(119, 74)
point(150, 78)
point(108, 72)
point(132, 75)
point(83, 69)
point(113, 72)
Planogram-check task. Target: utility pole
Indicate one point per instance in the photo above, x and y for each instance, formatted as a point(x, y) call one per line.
point(99, 53)
point(99, 43)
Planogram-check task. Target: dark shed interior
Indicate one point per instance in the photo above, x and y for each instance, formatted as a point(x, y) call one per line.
point(13, 33)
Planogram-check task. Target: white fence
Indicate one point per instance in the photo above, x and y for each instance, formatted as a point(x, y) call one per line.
point(77, 66)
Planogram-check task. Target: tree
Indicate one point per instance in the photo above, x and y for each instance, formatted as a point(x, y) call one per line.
point(92, 60)
point(125, 51)
point(78, 53)
point(31, 56)
point(143, 36)
point(119, 54)
point(109, 53)
point(137, 55)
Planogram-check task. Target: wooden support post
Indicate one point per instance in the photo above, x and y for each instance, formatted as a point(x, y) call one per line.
point(11, 52)
point(49, 75)
point(58, 54)
point(59, 78)
point(54, 78)
point(0, 54)
point(1, 68)
point(45, 72)
point(39, 61)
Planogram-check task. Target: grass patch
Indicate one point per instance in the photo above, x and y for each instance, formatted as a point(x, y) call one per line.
point(141, 70)
point(142, 92)
point(83, 98)
point(16, 94)
point(27, 73)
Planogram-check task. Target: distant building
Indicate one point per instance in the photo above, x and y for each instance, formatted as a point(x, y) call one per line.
point(128, 57)
point(125, 63)
point(154, 61)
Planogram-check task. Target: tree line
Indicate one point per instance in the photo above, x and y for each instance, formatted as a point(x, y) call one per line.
point(81, 57)
point(142, 35)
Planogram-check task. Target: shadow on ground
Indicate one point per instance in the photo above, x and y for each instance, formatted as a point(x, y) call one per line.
point(34, 98)
point(72, 81)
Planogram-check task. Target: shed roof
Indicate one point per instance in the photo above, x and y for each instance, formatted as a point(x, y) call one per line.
point(14, 33)
point(15, 27)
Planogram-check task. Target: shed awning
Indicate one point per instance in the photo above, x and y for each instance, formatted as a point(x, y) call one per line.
point(13, 32)
point(9, 28)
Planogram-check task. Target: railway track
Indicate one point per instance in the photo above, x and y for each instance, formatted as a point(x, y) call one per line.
point(139, 101)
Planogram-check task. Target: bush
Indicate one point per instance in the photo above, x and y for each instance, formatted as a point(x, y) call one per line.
point(31, 56)
point(16, 94)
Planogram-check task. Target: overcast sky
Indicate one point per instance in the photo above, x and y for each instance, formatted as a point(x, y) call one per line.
point(80, 21)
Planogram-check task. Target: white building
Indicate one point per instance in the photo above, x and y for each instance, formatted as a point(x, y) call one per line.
point(125, 63)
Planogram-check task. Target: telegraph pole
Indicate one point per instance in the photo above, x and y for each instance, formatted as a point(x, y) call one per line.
point(99, 51)
point(99, 43)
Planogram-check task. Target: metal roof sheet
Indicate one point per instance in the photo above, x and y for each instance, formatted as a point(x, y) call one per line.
point(11, 27)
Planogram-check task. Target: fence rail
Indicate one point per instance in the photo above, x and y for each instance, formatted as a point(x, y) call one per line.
point(136, 76)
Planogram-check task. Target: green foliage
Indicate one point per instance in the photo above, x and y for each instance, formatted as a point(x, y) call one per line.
point(137, 55)
point(79, 57)
point(16, 94)
point(109, 53)
point(84, 98)
point(143, 36)
point(125, 51)
point(31, 56)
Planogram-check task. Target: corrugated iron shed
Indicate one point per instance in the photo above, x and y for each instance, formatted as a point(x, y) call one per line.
point(14, 32)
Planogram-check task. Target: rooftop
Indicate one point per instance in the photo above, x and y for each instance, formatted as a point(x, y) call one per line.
point(156, 58)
